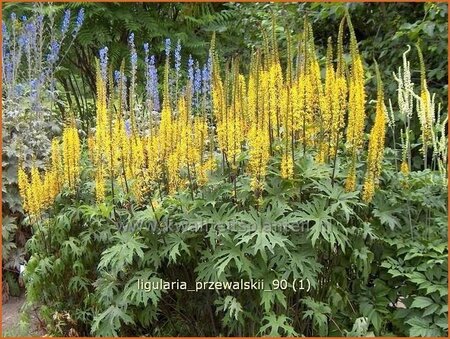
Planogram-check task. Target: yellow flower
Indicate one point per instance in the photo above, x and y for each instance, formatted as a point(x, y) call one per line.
point(287, 167)
point(368, 189)
point(252, 93)
point(425, 110)
point(24, 186)
point(153, 171)
point(56, 161)
point(259, 145)
point(350, 181)
point(357, 95)
point(376, 145)
point(37, 194)
point(356, 105)
point(99, 183)
point(71, 155)
point(91, 147)
point(404, 168)
point(174, 180)
point(207, 167)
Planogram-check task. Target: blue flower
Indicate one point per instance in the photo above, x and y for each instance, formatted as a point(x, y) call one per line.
point(30, 29)
point(197, 78)
point(146, 51)
point(190, 70)
point(52, 57)
point(167, 47)
point(22, 40)
point(34, 93)
point(197, 84)
point(19, 90)
point(8, 69)
point(117, 76)
point(4, 30)
point(128, 127)
point(152, 84)
point(103, 62)
point(177, 58)
point(133, 59)
point(123, 82)
point(66, 22)
point(40, 21)
point(5, 37)
point(206, 79)
point(78, 22)
point(131, 39)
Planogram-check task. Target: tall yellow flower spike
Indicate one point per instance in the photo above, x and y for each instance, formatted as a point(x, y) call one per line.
point(24, 187)
point(376, 144)
point(425, 109)
point(356, 107)
point(71, 155)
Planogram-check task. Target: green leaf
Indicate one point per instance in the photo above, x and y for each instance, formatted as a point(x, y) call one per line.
point(262, 239)
point(175, 245)
point(275, 326)
point(423, 327)
point(118, 256)
point(233, 306)
point(269, 299)
point(135, 291)
point(109, 322)
point(318, 312)
point(421, 302)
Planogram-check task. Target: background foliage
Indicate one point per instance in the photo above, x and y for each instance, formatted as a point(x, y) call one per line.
point(237, 28)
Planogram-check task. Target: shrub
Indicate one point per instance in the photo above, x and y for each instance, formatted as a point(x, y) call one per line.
point(268, 177)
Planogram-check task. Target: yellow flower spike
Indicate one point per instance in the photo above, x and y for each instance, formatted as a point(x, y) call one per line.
point(230, 119)
point(99, 184)
point(54, 185)
point(138, 189)
point(207, 167)
point(287, 166)
point(299, 107)
point(425, 109)
point(91, 147)
point(103, 143)
point(357, 99)
point(259, 152)
point(50, 187)
point(350, 181)
point(368, 189)
point(338, 99)
point(173, 174)
point(326, 107)
point(71, 155)
point(24, 187)
point(404, 168)
point(56, 161)
point(252, 92)
point(36, 195)
point(376, 144)
point(153, 159)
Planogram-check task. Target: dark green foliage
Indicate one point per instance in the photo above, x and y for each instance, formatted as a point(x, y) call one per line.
point(378, 269)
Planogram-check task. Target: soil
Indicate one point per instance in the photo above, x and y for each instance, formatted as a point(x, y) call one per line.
point(11, 315)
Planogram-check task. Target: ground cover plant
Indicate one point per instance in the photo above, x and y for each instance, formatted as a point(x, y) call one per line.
point(286, 174)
